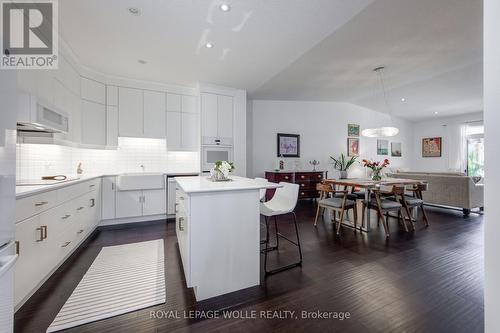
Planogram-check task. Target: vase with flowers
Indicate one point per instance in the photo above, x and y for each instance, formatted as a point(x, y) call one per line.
point(220, 171)
point(376, 168)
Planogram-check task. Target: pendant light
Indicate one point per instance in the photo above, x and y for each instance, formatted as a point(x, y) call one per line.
point(384, 131)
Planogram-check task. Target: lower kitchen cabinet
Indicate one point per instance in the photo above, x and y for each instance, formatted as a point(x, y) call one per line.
point(154, 202)
point(128, 204)
point(140, 203)
point(108, 196)
point(47, 238)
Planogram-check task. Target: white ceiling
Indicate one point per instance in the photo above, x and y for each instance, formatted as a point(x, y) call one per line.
point(254, 41)
point(293, 49)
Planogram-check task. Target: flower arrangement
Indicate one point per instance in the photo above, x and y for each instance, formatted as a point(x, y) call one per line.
point(221, 170)
point(376, 168)
point(342, 164)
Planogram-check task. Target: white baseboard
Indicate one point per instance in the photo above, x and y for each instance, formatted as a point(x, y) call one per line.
point(133, 219)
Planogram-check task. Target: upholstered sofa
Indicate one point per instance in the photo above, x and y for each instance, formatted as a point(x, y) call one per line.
point(448, 189)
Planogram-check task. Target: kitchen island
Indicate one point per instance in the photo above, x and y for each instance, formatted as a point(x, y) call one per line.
point(218, 232)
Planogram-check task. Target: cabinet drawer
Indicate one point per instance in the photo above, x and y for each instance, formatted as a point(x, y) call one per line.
point(307, 185)
point(284, 177)
point(35, 204)
point(308, 193)
point(317, 176)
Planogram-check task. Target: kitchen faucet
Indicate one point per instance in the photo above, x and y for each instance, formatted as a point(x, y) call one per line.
point(143, 167)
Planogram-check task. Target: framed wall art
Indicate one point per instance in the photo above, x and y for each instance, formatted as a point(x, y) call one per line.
point(352, 146)
point(431, 147)
point(288, 145)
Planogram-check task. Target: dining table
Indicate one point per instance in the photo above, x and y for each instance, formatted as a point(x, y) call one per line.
point(368, 185)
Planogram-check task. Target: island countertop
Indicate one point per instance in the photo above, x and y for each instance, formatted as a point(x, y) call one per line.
point(200, 184)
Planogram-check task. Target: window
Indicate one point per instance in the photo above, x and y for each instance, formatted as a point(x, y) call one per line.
point(475, 150)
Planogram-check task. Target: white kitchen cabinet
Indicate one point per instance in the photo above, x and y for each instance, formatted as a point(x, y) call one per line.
point(27, 275)
point(183, 127)
point(111, 126)
point(225, 119)
point(93, 123)
point(189, 131)
point(108, 195)
point(174, 102)
point(189, 104)
point(174, 130)
point(154, 202)
point(93, 91)
point(216, 119)
point(209, 115)
point(154, 114)
point(128, 204)
point(131, 113)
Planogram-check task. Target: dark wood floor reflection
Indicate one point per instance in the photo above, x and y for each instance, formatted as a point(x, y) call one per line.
point(431, 281)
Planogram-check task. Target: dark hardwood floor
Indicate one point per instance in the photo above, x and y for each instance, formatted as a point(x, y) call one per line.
point(429, 281)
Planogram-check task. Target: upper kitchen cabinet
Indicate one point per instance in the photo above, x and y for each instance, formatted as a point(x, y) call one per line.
point(154, 114)
point(182, 123)
point(93, 124)
point(130, 111)
point(216, 119)
point(111, 116)
point(93, 113)
point(141, 113)
point(93, 91)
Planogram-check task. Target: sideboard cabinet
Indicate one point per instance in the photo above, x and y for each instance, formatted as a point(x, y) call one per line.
point(307, 181)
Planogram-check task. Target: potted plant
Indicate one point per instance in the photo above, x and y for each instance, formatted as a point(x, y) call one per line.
point(376, 168)
point(221, 170)
point(342, 164)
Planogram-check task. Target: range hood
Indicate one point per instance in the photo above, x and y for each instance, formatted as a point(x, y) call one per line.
point(38, 116)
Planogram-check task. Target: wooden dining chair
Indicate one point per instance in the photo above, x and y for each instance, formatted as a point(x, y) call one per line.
point(415, 201)
point(329, 200)
point(384, 206)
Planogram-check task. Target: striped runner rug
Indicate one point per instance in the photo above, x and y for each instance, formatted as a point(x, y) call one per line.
point(121, 279)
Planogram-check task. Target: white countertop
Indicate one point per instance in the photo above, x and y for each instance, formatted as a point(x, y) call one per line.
point(200, 184)
point(26, 191)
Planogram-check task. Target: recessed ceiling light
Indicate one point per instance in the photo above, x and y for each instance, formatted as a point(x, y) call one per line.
point(134, 11)
point(225, 7)
point(436, 112)
point(403, 99)
point(209, 45)
point(142, 62)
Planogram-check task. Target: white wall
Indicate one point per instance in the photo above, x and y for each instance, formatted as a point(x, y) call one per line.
point(437, 128)
point(323, 132)
point(492, 159)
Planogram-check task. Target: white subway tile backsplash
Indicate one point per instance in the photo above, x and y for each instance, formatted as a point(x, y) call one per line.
point(36, 160)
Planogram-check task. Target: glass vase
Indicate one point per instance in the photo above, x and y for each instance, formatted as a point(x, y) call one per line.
point(376, 175)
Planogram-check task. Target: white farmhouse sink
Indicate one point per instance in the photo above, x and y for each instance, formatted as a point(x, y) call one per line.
point(140, 181)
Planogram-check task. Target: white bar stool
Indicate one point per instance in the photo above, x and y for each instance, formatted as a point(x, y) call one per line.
point(282, 203)
point(263, 191)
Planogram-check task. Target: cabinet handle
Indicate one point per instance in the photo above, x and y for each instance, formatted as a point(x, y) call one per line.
point(66, 216)
point(302, 176)
point(176, 205)
point(92, 202)
point(302, 185)
point(80, 208)
point(45, 233)
point(41, 234)
point(65, 244)
point(92, 185)
point(17, 247)
point(181, 198)
point(79, 231)
point(302, 193)
point(181, 226)
point(38, 204)
point(286, 177)
point(112, 186)
point(143, 199)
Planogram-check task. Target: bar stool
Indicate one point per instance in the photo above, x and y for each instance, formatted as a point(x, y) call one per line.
point(282, 203)
point(262, 192)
